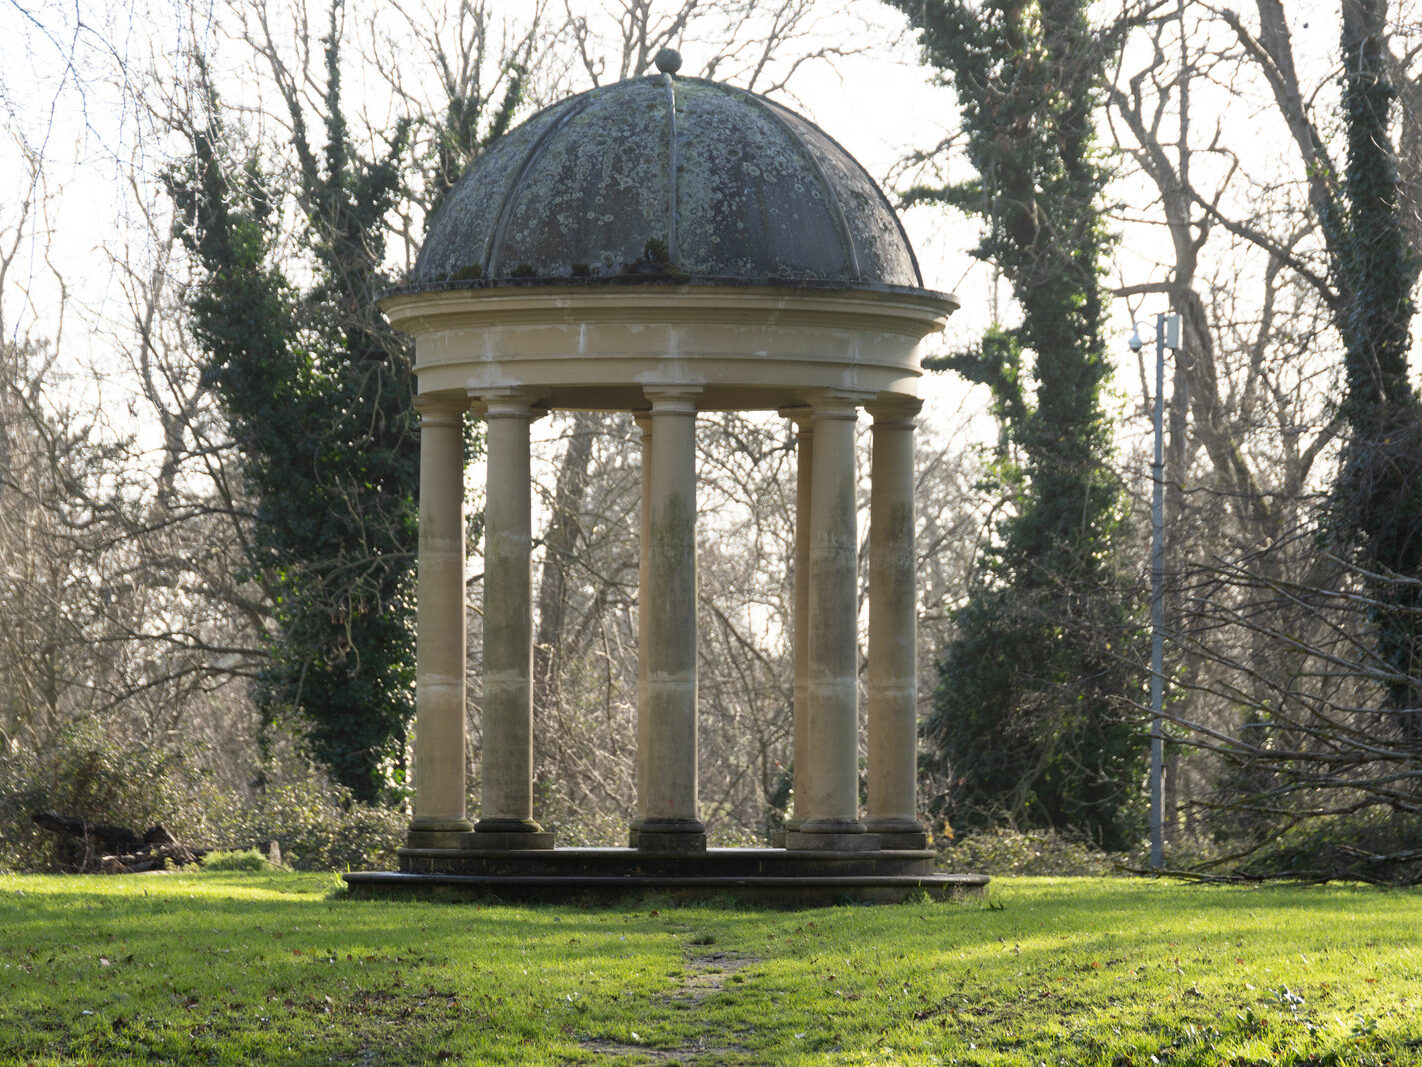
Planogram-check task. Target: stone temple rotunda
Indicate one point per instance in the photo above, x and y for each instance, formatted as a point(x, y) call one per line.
point(670, 246)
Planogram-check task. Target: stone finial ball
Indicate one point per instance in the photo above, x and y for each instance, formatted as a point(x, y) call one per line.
point(668, 61)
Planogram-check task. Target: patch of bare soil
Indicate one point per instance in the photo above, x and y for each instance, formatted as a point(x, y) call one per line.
point(705, 975)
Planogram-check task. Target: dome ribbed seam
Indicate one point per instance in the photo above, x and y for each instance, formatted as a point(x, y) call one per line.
point(501, 228)
point(673, 192)
point(842, 223)
point(851, 160)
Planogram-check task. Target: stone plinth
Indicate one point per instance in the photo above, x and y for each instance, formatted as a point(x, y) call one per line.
point(764, 875)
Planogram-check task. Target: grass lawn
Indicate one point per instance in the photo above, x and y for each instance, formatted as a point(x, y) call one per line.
point(283, 968)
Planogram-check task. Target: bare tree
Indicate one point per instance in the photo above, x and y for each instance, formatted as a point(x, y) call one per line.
point(1268, 634)
point(130, 594)
point(759, 44)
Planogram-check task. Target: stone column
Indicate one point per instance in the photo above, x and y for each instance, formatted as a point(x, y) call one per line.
point(670, 821)
point(506, 818)
point(893, 631)
point(804, 468)
point(644, 565)
point(440, 817)
point(830, 816)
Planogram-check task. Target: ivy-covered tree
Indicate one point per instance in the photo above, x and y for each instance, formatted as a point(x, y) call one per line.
point(1379, 493)
point(1030, 721)
point(317, 396)
point(317, 392)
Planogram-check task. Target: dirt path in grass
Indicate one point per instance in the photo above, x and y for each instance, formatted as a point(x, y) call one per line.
point(706, 973)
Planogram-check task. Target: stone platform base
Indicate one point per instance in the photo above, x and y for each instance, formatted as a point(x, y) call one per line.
point(788, 878)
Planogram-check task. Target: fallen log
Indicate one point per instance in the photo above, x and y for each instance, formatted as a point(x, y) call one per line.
point(153, 859)
point(114, 838)
point(113, 849)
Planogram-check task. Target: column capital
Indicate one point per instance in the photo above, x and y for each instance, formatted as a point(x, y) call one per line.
point(440, 410)
point(800, 414)
point(506, 403)
point(676, 398)
point(837, 403)
point(897, 411)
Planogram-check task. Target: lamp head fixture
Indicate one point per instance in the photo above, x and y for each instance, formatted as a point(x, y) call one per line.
point(1167, 329)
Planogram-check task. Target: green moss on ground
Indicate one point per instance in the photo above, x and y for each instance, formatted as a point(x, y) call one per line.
point(274, 967)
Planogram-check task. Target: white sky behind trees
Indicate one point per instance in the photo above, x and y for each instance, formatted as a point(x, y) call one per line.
point(82, 150)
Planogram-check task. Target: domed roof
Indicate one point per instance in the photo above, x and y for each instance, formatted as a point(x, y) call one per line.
point(665, 179)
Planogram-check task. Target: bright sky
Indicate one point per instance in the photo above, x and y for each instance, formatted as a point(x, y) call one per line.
point(64, 103)
point(65, 100)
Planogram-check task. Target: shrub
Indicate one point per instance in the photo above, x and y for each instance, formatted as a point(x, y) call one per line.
point(248, 860)
point(1372, 845)
point(318, 826)
point(88, 774)
point(587, 829)
point(726, 834)
point(1040, 852)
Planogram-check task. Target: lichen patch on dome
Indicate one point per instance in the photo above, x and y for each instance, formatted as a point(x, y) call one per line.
point(737, 189)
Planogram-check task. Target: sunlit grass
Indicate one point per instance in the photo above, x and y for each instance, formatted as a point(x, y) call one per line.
point(281, 968)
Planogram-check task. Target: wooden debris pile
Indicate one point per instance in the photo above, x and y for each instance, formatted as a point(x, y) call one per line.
point(101, 848)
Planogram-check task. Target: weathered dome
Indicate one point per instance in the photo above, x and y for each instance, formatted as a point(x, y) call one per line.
point(666, 179)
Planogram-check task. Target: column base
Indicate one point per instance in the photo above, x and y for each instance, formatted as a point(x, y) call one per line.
point(507, 826)
point(426, 832)
point(831, 835)
point(801, 840)
point(777, 837)
point(897, 839)
point(898, 833)
point(508, 834)
point(507, 841)
point(668, 835)
point(830, 826)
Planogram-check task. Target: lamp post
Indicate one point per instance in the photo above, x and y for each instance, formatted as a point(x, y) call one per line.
point(1167, 335)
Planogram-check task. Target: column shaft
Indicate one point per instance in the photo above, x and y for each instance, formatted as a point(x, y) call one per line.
point(804, 475)
point(893, 625)
point(506, 818)
point(670, 821)
point(644, 425)
point(440, 815)
point(831, 737)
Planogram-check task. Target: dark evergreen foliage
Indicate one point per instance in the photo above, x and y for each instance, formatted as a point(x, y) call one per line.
point(1031, 718)
point(1379, 493)
point(317, 395)
point(317, 392)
